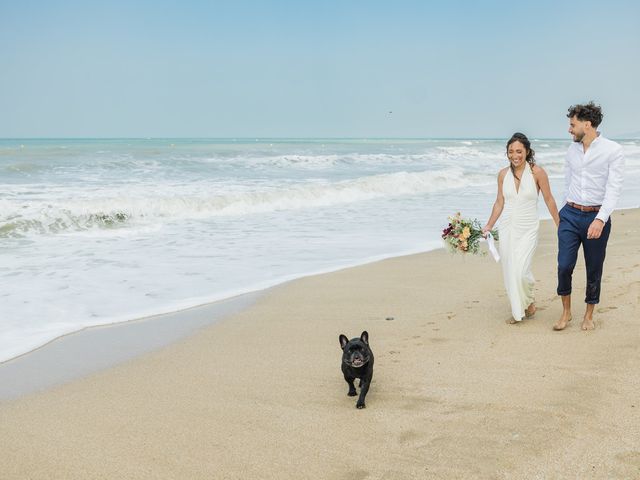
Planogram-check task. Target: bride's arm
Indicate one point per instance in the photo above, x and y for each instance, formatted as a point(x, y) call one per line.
point(498, 204)
point(542, 180)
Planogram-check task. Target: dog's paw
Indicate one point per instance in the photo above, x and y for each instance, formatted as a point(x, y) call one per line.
point(352, 393)
point(360, 405)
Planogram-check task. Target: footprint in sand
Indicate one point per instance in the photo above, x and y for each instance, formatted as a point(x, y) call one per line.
point(606, 309)
point(418, 403)
point(438, 340)
point(409, 436)
point(356, 475)
point(630, 288)
point(630, 458)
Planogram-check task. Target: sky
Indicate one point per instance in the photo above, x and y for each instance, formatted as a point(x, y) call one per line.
point(348, 68)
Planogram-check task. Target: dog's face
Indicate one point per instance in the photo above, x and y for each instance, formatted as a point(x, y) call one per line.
point(355, 352)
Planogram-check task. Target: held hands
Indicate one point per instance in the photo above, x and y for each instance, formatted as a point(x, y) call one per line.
point(595, 229)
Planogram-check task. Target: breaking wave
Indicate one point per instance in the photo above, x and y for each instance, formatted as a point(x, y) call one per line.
point(149, 204)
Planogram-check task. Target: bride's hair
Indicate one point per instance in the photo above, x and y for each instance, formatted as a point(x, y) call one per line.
point(522, 138)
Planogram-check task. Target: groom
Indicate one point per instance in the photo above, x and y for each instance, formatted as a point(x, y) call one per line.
point(593, 179)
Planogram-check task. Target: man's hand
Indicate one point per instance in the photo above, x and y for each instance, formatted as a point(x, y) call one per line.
point(595, 229)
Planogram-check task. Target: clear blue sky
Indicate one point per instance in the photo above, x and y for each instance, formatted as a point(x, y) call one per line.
point(315, 68)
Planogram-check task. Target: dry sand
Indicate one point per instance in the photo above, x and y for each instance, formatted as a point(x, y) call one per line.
point(457, 392)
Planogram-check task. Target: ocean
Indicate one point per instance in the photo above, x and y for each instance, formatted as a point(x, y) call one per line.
point(98, 231)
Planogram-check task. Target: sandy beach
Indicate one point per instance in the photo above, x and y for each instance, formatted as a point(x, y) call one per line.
point(457, 392)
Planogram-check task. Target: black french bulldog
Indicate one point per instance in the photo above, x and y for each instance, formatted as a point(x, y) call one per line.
point(357, 362)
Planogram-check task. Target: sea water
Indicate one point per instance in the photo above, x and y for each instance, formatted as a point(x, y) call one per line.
point(99, 231)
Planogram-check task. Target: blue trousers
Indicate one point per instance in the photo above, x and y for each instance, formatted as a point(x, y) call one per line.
point(572, 232)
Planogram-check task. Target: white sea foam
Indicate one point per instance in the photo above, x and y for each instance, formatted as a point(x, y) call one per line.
point(84, 209)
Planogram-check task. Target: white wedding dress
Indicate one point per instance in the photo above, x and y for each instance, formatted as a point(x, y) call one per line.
point(518, 239)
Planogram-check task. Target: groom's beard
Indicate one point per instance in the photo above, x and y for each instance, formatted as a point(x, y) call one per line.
point(578, 138)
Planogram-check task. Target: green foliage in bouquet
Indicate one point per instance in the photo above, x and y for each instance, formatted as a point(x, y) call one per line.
point(463, 235)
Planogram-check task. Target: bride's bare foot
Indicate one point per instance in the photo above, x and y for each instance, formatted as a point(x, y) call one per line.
point(587, 324)
point(530, 311)
point(563, 322)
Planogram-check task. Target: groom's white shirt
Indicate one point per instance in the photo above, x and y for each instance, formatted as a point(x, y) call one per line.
point(595, 177)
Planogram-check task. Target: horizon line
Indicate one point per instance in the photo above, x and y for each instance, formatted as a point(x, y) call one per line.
point(257, 138)
point(628, 136)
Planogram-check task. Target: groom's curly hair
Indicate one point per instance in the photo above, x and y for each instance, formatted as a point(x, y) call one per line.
point(589, 111)
point(522, 138)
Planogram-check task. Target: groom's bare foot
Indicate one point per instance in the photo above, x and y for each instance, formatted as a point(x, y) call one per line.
point(563, 322)
point(587, 323)
point(530, 311)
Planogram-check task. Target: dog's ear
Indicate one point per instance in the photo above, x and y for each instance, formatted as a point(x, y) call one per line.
point(343, 341)
point(365, 337)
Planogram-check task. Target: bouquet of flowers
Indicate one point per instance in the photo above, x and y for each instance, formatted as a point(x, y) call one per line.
point(463, 235)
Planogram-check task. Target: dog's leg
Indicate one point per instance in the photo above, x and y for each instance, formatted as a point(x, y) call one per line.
point(364, 388)
point(352, 387)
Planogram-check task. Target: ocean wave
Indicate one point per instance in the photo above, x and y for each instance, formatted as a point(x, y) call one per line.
point(324, 161)
point(465, 151)
point(23, 168)
point(35, 215)
point(313, 161)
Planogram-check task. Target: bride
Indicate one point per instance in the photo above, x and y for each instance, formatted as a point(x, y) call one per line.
point(517, 201)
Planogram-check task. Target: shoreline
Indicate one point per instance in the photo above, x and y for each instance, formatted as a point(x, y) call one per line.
point(17, 377)
point(211, 301)
point(93, 349)
point(22, 374)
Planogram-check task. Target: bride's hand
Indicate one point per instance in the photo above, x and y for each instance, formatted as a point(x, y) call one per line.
point(486, 229)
